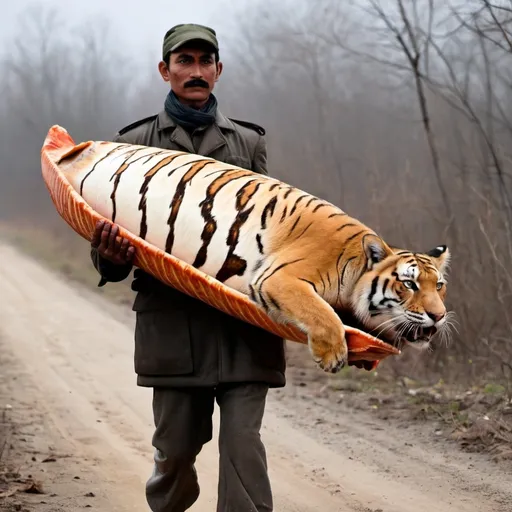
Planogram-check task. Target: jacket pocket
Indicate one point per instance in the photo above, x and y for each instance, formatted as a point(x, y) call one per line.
point(264, 349)
point(163, 343)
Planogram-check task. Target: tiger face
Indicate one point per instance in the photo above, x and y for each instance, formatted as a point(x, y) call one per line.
point(400, 298)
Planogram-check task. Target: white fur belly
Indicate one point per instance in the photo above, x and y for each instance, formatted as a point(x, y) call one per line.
point(169, 211)
point(232, 240)
point(160, 195)
point(97, 184)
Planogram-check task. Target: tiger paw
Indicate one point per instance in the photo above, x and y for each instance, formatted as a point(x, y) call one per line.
point(331, 358)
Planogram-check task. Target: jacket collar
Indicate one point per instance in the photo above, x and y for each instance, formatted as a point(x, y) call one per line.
point(213, 137)
point(165, 122)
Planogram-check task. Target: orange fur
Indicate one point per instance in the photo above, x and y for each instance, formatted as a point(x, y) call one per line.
point(323, 260)
point(316, 264)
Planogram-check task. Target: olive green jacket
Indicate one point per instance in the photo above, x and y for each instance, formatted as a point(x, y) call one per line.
point(180, 341)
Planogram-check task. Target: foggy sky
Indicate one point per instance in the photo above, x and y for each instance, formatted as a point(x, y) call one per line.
point(140, 25)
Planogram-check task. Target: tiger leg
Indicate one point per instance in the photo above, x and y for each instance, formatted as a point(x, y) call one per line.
point(287, 297)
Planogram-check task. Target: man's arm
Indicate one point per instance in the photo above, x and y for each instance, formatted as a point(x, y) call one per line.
point(111, 254)
point(108, 271)
point(104, 245)
point(259, 159)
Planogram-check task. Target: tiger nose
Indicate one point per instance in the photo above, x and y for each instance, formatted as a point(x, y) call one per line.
point(437, 317)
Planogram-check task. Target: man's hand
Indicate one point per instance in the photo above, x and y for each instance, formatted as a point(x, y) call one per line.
point(116, 249)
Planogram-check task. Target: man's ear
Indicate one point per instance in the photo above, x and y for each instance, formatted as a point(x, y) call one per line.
point(376, 250)
point(220, 67)
point(164, 71)
point(440, 257)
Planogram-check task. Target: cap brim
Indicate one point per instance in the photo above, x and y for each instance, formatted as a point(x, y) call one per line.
point(195, 36)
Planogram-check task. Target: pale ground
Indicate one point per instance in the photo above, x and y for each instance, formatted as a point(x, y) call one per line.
point(66, 369)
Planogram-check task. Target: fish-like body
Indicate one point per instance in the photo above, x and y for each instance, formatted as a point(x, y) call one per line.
point(247, 244)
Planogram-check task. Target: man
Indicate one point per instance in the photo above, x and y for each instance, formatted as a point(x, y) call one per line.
point(190, 353)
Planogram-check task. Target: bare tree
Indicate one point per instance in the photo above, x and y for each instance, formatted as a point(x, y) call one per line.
point(338, 89)
point(414, 42)
point(53, 74)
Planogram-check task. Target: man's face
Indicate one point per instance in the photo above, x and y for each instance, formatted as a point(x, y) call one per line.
point(192, 73)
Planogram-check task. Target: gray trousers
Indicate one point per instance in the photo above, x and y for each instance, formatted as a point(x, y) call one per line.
point(183, 420)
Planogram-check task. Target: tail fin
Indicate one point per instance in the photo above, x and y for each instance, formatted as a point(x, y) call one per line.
point(57, 138)
point(59, 145)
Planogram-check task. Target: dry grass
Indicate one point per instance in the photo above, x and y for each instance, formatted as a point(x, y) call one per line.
point(478, 417)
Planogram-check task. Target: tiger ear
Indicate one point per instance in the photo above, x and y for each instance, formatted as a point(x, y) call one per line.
point(440, 257)
point(376, 250)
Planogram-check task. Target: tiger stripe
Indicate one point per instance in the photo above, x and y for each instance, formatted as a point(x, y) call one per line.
point(348, 225)
point(117, 177)
point(313, 199)
point(145, 186)
point(277, 269)
point(298, 200)
point(338, 263)
point(292, 229)
point(342, 277)
point(318, 206)
point(303, 232)
point(260, 243)
point(178, 198)
point(233, 264)
point(210, 226)
point(313, 285)
point(268, 211)
point(96, 165)
point(244, 218)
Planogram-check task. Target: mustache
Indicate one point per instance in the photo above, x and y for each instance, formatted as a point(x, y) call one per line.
point(197, 82)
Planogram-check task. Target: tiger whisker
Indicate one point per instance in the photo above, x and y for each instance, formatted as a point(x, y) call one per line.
point(384, 325)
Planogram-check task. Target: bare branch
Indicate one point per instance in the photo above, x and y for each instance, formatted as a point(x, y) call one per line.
point(498, 24)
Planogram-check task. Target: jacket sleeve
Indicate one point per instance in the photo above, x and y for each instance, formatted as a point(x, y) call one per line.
point(259, 160)
point(108, 271)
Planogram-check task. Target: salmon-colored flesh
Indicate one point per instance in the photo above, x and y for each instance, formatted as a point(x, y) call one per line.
point(178, 274)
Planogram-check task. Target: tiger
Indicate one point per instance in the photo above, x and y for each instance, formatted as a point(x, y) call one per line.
point(302, 259)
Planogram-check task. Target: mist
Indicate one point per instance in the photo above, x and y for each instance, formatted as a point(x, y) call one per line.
point(398, 112)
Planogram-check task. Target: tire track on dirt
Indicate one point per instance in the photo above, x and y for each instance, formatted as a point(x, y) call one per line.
point(78, 350)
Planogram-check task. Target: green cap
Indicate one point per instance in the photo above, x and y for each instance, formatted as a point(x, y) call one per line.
point(180, 34)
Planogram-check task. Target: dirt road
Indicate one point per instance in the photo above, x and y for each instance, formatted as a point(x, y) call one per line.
point(66, 366)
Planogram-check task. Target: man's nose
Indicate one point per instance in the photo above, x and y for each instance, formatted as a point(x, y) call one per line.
point(196, 71)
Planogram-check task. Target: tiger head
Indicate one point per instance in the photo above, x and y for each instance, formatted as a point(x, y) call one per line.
point(400, 295)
